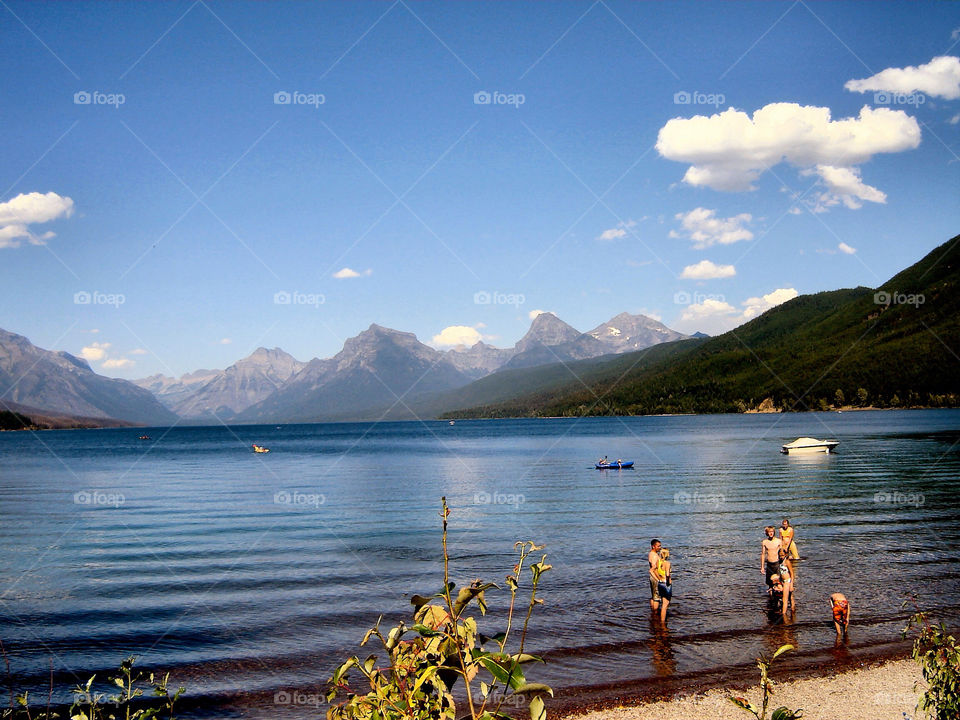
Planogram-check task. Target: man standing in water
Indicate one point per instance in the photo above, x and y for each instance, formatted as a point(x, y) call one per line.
point(653, 559)
point(770, 554)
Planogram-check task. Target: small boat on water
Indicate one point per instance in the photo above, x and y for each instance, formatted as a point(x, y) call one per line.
point(144, 437)
point(616, 465)
point(260, 449)
point(809, 445)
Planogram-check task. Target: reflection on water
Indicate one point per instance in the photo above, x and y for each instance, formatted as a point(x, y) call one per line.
point(261, 572)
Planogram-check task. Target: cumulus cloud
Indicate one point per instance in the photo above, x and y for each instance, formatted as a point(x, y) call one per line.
point(94, 352)
point(618, 232)
point(731, 149)
point(457, 335)
point(119, 362)
point(758, 305)
point(345, 273)
point(844, 185)
point(706, 270)
point(533, 313)
point(955, 119)
point(224, 341)
point(713, 315)
point(138, 351)
point(844, 248)
point(705, 228)
point(938, 78)
point(17, 214)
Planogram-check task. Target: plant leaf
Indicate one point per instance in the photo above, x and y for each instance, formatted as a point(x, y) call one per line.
point(537, 710)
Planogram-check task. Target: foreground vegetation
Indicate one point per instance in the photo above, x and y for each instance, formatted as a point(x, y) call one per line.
point(417, 678)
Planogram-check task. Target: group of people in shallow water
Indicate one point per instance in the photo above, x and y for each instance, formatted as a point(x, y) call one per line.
point(776, 565)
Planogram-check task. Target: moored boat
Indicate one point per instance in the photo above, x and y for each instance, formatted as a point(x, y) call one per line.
point(809, 445)
point(260, 449)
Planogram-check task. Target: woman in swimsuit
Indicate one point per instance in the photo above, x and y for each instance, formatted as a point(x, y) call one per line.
point(840, 607)
point(786, 577)
point(665, 584)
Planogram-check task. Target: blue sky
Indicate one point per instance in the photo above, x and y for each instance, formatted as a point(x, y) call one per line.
point(161, 201)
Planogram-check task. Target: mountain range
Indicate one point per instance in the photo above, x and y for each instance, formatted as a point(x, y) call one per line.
point(380, 372)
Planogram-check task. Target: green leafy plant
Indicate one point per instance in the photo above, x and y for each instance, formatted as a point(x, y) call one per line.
point(766, 690)
point(938, 655)
point(89, 704)
point(424, 661)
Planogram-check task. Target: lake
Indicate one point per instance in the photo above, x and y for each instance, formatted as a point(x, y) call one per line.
point(250, 576)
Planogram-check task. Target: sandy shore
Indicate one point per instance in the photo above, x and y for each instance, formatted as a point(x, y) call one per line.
point(882, 692)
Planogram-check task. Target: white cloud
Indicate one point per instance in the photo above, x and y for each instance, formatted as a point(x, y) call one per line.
point(30, 209)
point(939, 78)
point(706, 270)
point(730, 150)
point(95, 352)
point(457, 335)
point(618, 232)
point(225, 341)
point(844, 185)
point(844, 248)
point(120, 362)
point(706, 229)
point(758, 305)
point(138, 351)
point(533, 313)
point(955, 119)
point(345, 273)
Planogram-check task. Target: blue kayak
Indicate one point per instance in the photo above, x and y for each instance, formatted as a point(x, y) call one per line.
point(614, 465)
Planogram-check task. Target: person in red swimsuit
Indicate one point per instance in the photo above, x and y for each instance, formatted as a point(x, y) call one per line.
point(840, 607)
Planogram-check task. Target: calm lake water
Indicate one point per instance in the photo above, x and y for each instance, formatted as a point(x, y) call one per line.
point(250, 575)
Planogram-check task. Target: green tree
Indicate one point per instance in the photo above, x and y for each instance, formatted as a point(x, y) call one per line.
point(862, 396)
point(838, 398)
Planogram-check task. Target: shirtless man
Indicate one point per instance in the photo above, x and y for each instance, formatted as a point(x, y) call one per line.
point(653, 559)
point(840, 607)
point(769, 554)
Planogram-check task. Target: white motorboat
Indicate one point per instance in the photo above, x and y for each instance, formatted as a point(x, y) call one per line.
point(809, 445)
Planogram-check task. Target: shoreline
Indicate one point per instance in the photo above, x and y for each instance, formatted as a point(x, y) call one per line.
point(878, 689)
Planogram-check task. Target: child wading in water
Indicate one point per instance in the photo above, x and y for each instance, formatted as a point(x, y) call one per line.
point(840, 607)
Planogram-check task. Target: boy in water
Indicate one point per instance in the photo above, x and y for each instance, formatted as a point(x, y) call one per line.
point(770, 554)
point(840, 607)
point(653, 559)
